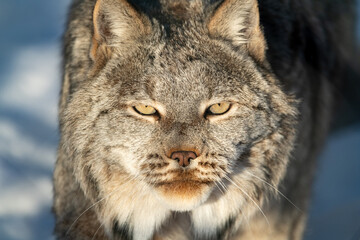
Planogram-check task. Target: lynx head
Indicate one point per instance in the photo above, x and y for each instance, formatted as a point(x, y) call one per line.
point(183, 106)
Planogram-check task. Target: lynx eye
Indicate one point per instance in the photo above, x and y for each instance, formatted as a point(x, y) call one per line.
point(145, 109)
point(219, 108)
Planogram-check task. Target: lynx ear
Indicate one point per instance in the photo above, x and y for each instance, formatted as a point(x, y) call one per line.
point(116, 23)
point(238, 21)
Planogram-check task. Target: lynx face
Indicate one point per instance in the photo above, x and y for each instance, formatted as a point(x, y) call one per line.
point(177, 118)
point(180, 120)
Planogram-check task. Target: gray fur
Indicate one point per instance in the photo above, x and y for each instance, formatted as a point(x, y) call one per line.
point(114, 178)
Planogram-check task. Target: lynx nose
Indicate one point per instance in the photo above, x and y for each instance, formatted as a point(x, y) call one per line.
point(183, 157)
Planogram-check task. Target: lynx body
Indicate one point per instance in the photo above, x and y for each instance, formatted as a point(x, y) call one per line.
point(191, 119)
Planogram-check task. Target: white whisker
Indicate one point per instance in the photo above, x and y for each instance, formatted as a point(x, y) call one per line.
point(67, 232)
point(275, 190)
point(245, 217)
point(216, 183)
point(262, 212)
point(97, 231)
point(93, 205)
point(222, 185)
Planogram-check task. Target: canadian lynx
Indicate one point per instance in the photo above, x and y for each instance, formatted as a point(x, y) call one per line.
point(194, 119)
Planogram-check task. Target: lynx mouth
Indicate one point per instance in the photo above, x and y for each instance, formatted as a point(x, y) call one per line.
point(183, 195)
point(180, 185)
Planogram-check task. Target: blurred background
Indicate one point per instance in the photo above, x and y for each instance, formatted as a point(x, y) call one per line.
point(30, 46)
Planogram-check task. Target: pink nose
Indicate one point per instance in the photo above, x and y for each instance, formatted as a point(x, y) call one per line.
point(183, 157)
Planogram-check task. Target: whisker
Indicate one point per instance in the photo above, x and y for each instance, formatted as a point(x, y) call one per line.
point(278, 191)
point(220, 181)
point(97, 231)
point(245, 217)
point(222, 185)
point(247, 220)
point(93, 205)
point(216, 183)
point(67, 232)
point(218, 187)
point(262, 212)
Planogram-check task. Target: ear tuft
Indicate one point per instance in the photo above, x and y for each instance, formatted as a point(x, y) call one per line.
point(116, 24)
point(238, 21)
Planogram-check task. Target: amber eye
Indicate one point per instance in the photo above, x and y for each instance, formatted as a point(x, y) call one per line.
point(218, 108)
point(145, 109)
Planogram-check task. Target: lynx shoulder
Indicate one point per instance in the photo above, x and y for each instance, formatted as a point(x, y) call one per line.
point(191, 119)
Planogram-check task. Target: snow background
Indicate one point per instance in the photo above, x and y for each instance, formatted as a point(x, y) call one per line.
point(29, 90)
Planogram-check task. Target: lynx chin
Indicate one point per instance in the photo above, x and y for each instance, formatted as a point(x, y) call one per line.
point(196, 119)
